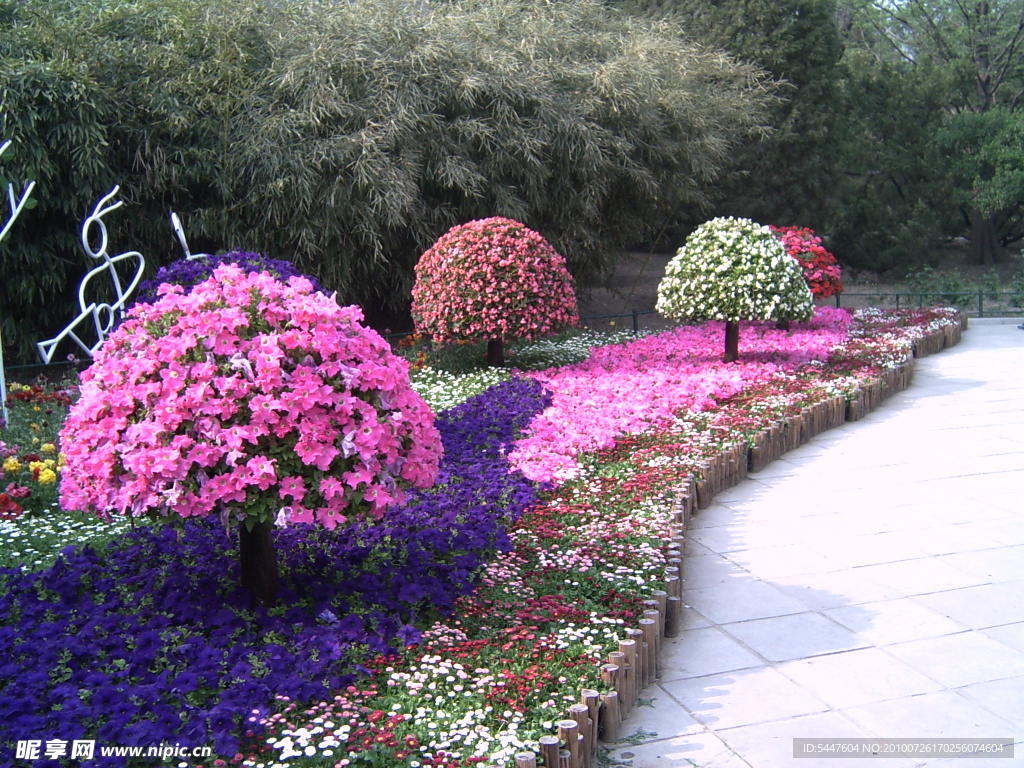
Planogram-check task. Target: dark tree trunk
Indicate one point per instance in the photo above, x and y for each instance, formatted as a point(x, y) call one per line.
point(732, 341)
point(495, 352)
point(259, 561)
point(983, 238)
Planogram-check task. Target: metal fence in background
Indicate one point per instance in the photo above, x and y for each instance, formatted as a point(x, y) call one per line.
point(974, 303)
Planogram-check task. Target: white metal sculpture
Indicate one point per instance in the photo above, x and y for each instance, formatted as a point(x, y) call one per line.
point(103, 314)
point(180, 232)
point(16, 204)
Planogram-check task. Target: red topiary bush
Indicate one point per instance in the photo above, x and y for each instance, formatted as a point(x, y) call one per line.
point(821, 270)
point(492, 279)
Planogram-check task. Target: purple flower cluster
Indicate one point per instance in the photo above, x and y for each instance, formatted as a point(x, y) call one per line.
point(152, 640)
point(190, 272)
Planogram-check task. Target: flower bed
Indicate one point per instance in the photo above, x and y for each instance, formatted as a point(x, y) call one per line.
point(629, 388)
point(28, 458)
point(496, 662)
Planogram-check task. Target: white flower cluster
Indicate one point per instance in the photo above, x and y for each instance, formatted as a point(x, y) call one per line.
point(597, 637)
point(319, 739)
point(33, 541)
point(572, 347)
point(438, 683)
point(442, 389)
point(734, 269)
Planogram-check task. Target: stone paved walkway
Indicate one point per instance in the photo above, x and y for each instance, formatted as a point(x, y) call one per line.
point(868, 584)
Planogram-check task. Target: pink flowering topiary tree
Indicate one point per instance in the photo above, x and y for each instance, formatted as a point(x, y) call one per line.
point(260, 401)
point(492, 279)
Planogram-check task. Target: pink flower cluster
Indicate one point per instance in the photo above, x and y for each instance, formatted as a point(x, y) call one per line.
point(251, 398)
point(821, 270)
point(492, 278)
point(630, 388)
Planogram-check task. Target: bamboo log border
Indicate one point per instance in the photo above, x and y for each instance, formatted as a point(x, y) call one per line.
point(598, 717)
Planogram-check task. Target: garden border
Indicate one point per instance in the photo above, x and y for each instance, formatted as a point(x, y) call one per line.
point(636, 664)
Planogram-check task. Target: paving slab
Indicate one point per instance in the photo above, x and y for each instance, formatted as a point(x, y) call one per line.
point(870, 583)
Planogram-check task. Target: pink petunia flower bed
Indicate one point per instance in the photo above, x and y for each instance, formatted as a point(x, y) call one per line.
point(629, 388)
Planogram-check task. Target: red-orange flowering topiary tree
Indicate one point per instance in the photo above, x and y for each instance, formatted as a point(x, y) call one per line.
point(492, 279)
point(821, 270)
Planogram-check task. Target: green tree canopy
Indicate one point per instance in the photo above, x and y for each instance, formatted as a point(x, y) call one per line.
point(783, 176)
point(966, 56)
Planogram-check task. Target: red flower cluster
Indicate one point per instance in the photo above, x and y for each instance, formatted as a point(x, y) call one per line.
point(821, 270)
point(37, 394)
point(9, 508)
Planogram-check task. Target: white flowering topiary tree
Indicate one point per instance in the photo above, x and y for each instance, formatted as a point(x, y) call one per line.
point(733, 269)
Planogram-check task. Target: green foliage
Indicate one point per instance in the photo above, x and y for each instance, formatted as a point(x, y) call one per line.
point(977, 43)
point(1016, 289)
point(349, 136)
point(734, 269)
point(991, 284)
point(949, 65)
point(933, 286)
point(785, 175)
point(986, 155)
point(582, 123)
point(890, 203)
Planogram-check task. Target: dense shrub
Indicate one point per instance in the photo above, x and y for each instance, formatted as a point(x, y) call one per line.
point(492, 279)
point(353, 134)
point(929, 286)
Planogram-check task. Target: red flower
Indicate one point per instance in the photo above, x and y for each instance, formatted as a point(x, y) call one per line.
point(821, 270)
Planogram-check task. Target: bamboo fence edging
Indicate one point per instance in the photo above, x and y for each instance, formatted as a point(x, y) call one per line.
point(598, 717)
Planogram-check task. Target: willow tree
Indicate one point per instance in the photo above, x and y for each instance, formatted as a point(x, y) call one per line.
point(386, 126)
point(785, 175)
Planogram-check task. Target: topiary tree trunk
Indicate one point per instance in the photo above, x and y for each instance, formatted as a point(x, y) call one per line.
point(732, 341)
point(495, 352)
point(258, 561)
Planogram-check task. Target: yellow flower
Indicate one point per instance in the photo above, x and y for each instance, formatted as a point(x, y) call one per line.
point(36, 466)
point(47, 476)
point(11, 465)
point(48, 448)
